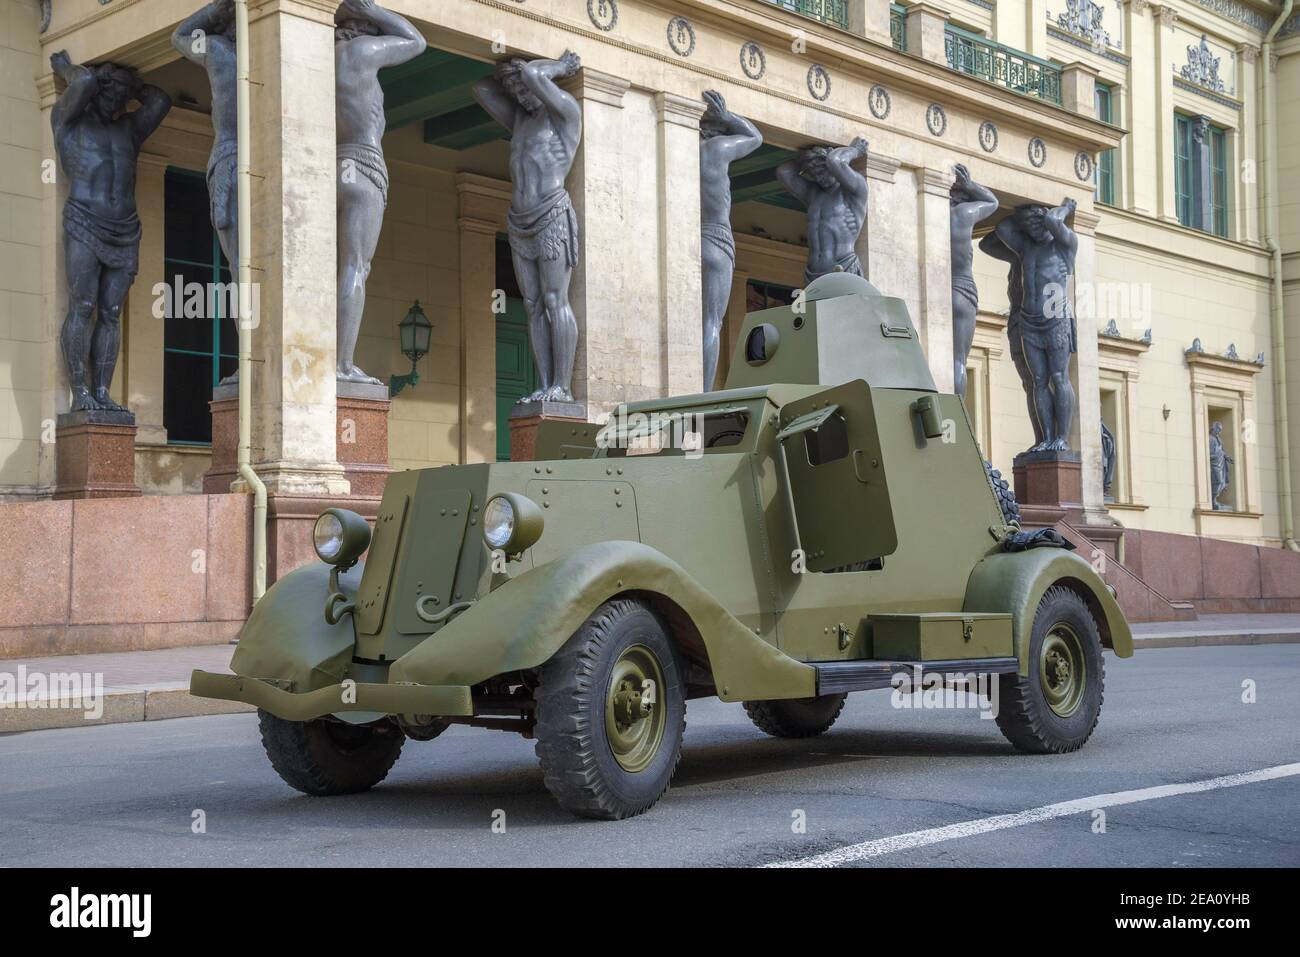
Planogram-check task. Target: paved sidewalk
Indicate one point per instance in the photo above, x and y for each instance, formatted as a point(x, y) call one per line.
point(1262, 629)
point(120, 686)
point(151, 685)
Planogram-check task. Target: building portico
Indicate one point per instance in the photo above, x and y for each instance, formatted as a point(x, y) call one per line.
point(896, 76)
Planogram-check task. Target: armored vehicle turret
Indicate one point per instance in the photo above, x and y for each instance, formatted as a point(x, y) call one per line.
point(823, 524)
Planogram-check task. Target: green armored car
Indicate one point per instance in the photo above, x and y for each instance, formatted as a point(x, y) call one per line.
point(823, 524)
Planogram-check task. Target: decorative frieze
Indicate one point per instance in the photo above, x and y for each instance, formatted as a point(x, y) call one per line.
point(603, 14)
point(1037, 152)
point(681, 36)
point(988, 136)
point(878, 101)
point(819, 82)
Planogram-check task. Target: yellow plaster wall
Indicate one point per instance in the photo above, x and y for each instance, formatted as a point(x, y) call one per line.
point(22, 332)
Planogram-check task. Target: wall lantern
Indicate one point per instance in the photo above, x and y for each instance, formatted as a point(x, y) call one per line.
point(414, 332)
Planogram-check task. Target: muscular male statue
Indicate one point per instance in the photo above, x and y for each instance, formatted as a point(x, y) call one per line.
point(545, 125)
point(1045, 248)
point(835, 195)
point(207, 38)
point(996, 248)
point(724, 137)
point(97, 143)
point(366, 38)
point(968, 203)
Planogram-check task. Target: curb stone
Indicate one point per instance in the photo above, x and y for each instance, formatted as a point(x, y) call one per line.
point(121, 705)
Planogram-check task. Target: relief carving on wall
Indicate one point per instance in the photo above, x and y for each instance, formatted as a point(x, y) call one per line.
point(1202, 67)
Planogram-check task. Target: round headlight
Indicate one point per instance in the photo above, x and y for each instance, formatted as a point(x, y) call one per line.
point(340, 536)
point(499, 522)
point(511, 522)
point(328, 536)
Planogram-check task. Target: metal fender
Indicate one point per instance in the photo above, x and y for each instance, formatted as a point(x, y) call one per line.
point(523, 622)
point(1015, 582)
point(286, 638)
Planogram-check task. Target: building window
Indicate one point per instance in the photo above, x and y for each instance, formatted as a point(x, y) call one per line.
point(1104, 175)
point(761, 295)
point(1200, 174)
point(200, 341)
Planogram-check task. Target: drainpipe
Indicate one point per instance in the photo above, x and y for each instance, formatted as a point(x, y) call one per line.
point(1276, 317)
point(245, 206)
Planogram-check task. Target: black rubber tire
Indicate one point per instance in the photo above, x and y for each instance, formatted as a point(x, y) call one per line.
point(1005, 494)
point(578, 765)
point(796, 717)
point(326, 757)
point(1024, 716)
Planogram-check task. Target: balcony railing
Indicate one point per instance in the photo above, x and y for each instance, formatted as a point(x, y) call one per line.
point(833, 12)
point(898, 26)
point(977, 56)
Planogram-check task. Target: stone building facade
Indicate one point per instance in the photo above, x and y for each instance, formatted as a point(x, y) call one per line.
point(1149, 115)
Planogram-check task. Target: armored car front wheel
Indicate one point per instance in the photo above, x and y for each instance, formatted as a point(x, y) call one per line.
point(611, 713)
point(326, 757)
point(1055, 707)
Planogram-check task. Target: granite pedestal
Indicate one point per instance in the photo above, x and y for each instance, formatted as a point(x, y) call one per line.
point(95, 455)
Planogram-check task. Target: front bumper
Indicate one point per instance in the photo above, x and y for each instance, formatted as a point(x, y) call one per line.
point(438, 700)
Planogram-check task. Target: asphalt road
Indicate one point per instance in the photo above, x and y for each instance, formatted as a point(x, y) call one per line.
point(126, 794)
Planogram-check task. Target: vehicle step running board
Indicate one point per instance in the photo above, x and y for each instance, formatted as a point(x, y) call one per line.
point(836, 677)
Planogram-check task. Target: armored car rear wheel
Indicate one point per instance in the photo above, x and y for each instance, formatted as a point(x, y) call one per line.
point(611, 713)
point(800, 718)
point(1055, 707)
point(325, 757)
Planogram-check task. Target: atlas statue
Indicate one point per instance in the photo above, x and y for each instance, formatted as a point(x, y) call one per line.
point(545, 125)
point(367, 38)
point(724, 138)
point(835, 195)
point(969, 203)
point(1045, 247)
point(98, 141)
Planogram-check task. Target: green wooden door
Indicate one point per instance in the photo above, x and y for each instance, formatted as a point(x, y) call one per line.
point(516, 374)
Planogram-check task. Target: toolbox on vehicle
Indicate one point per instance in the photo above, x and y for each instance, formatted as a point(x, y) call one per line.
point(928, 636)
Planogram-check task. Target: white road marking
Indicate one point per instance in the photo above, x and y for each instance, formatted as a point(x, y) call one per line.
point(901, 842)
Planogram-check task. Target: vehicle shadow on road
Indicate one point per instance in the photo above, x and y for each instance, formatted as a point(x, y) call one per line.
point(733, 760)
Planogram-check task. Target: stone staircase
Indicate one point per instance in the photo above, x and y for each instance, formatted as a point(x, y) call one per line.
point(1136, 597)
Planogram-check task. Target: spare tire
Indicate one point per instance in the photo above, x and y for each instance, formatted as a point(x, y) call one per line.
point(1006, 497)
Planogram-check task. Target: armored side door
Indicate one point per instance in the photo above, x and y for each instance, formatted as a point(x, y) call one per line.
point(835, 477)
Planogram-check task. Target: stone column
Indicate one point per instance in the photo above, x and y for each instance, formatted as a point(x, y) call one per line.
point(1084, 373)
point(892, 229)
point(925, 32)
point(144, 335)
point(1010, 22)
point(879, 171)
point(1079, 89)
point(597, 293)
point(934, 315)
point(1036, 13)
point(294, 258)
point(478, 358)
point(870, 19)
point(1140, 181)
point(482, 204)
point(1166, 41)
point(1246, 210)
point(54, 287)
point(681, 320)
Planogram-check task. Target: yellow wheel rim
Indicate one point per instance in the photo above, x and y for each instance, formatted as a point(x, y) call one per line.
point(634, 713)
